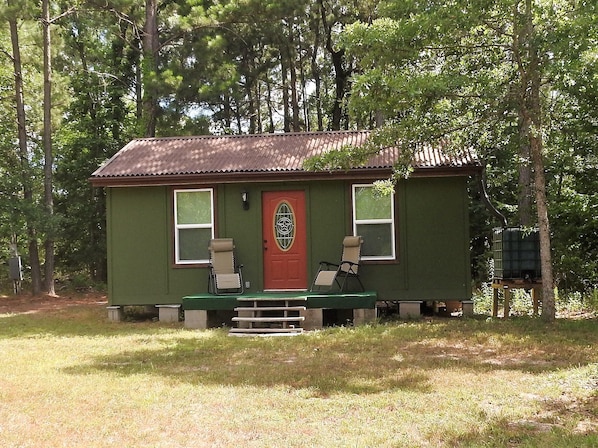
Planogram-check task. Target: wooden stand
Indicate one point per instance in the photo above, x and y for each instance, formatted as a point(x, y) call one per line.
point(506, 285)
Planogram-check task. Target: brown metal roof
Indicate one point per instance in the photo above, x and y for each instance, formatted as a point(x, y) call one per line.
point(239, 157)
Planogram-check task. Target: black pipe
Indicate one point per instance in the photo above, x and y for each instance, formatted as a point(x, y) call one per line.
point(489, 205)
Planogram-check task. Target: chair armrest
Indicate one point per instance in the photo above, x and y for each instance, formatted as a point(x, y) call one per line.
point(328, 264)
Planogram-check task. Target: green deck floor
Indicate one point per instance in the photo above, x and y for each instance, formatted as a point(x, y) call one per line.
point(348, 300)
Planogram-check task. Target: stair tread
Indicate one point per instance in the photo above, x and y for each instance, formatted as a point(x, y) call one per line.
point(263, 335)
point(270, 308)
point(268, 319)
point(266, 330)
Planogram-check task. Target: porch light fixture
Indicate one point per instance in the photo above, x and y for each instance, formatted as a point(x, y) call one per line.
point(245, 199)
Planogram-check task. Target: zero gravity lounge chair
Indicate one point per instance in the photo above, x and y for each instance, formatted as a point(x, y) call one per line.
point(225, 276)
point(330, 274)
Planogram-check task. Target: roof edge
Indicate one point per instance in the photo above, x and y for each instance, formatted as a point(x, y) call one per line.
point(278, 176)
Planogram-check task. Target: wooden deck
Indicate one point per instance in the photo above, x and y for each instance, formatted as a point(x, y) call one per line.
point(347, 300)
point(287, 312)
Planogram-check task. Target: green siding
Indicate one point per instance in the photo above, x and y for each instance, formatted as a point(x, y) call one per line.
point(431, 230)
point(244, 226)
point(138, 222)
point(438, 238)
point(329, 220)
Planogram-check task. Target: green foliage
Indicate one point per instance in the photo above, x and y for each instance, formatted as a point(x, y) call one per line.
point(430, 69)
point(568, 304)
point(460, 70)
point(20, 171)
point(99, 121)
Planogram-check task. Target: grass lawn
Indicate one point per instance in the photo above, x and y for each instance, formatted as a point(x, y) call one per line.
point(70, 378)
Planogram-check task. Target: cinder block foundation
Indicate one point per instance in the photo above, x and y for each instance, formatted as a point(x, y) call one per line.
point(314, 318)
point(467, 307)
point(168, 313)
point(196, 319)
point(115, 313)
point(364, 316)
point(411, 309)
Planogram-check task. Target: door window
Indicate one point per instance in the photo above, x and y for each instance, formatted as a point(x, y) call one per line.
point(284, 226)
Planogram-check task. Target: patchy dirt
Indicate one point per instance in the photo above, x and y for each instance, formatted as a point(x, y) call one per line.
point(25, 303)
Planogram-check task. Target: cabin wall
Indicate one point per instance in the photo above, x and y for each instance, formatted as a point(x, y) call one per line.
point(431, 225)
point(433, 243)
point(137, 220)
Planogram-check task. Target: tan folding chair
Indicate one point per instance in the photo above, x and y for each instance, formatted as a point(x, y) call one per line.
point(225, 276)
point(330, 274)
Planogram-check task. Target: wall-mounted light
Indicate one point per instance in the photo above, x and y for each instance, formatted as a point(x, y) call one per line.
point(245, 199)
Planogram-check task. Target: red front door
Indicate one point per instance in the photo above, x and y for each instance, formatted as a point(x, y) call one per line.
point(285, 240)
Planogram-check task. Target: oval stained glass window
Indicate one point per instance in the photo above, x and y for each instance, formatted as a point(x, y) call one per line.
point(284, 226)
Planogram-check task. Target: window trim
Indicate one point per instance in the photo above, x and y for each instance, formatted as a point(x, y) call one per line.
point(177, 226)
point(391, 221)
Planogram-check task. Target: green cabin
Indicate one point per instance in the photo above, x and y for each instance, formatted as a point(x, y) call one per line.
point(168, 197)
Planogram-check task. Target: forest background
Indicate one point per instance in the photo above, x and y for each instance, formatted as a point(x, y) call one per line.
point(515, 79)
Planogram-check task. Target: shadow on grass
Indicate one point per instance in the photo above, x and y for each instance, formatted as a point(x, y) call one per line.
point(363, 360)
point(298, 363)
point(369, 359)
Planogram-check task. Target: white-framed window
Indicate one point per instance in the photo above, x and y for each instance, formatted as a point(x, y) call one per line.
point(374, 220)
point(193, 225)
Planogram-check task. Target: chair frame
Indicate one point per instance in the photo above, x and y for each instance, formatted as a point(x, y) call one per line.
point(237, 269)
point(345, 270)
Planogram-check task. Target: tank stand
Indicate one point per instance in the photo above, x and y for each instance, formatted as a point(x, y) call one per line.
point(506, 285)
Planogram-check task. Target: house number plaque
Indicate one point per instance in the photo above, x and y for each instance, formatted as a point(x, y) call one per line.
point(284, 226)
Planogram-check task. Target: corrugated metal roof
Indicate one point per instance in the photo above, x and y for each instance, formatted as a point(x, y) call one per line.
point(262, 153)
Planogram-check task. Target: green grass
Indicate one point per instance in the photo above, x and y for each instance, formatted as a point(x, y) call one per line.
point(70, 378)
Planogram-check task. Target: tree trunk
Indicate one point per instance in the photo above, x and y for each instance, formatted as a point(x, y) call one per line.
point(258, 105)
point(250, 81)
point(48, 156)
point(315, 70)
point(340, 81)
point(98, 267)
point(525, 177)
point(293, 74)
point(26, 176)
point(227, 113)
point(285, 92)
point(548, 304)
point(304, 96)
point(532, 117)
point(151, 47)
point(139, 87)
point(251, 109)
point(317, 77)
point(341, 75)
point(271, 127)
